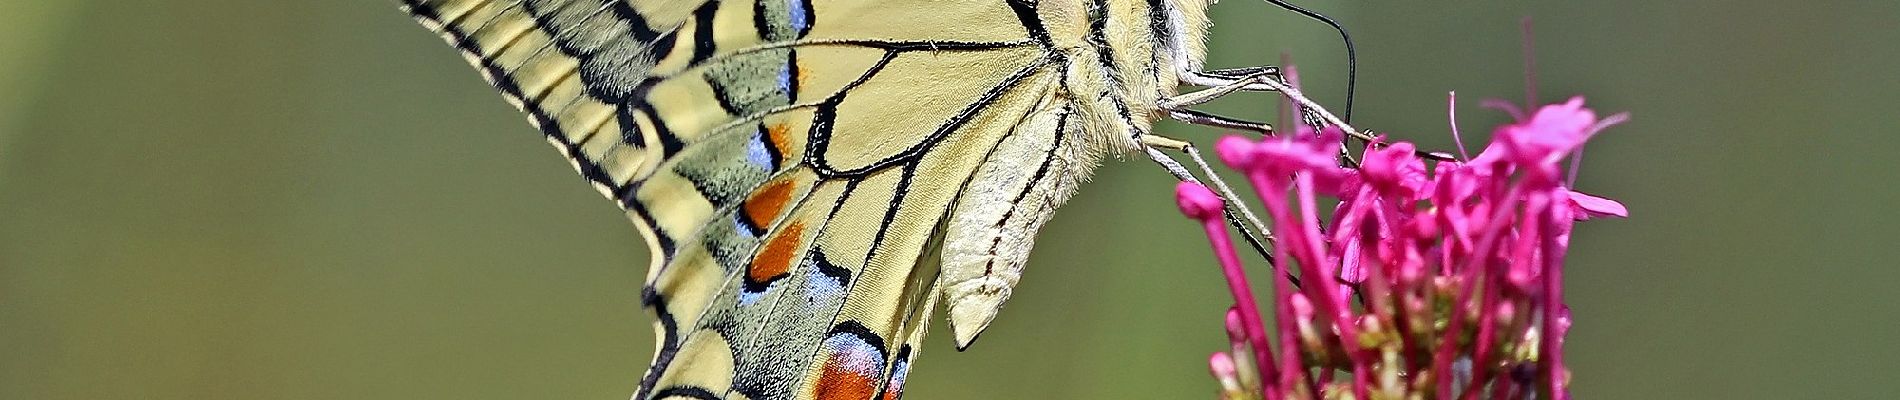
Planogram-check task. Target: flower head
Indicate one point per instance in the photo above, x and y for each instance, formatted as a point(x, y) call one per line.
point(1441, 281)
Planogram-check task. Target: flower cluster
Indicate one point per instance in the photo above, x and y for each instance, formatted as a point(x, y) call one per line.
point(1443, 278)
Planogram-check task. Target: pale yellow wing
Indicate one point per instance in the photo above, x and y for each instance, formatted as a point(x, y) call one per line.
point(788, 161)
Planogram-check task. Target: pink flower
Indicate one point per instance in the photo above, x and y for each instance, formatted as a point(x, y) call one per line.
point(1461, 265)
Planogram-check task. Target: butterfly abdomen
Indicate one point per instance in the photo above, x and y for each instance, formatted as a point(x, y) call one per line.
point(1118, 57)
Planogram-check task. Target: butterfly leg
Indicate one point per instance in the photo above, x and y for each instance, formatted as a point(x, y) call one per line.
point(1224, 87)
point(1243, 71)
point(1236, 212)
point(1205, 119)
point(1177, 108)
point(1222, 83)
point(1252, 79)
point(1230, 81)
point(1235, 206)
point(1259, 79)
point(1222, 77)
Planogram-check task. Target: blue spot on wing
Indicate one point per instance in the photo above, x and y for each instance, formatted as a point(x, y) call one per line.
point(757, 153)
point(739, 225)
point(785, 79)
point(855, 354)
point(746, 298)
point(822, 287)
point(899, 373)
point(800, 17)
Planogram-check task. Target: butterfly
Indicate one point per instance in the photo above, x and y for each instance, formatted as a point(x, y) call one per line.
point(814, 176)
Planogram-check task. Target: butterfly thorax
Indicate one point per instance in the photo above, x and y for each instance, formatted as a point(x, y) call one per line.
point(1123, 56)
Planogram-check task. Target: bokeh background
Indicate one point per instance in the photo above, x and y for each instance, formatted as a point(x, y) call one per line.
point(234, 199)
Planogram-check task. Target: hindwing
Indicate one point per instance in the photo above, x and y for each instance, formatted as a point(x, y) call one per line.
point(789, 203)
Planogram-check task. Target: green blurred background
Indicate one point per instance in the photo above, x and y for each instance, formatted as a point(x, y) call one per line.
point(239, 199)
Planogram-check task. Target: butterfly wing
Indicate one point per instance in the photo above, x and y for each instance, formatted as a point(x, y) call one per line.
point(788, 203)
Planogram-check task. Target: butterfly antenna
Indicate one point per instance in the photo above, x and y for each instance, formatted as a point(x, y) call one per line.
point(1352, 59)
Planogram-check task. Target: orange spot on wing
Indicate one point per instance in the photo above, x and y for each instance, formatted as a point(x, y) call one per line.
point(776, 257)
point(765, 204)
point(839, 382)
point(780, 136)
point(802, 73)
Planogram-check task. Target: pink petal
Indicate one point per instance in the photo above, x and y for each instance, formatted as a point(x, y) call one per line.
point(1592, 206)
point(1555, 130)
point(1396, 170)
point(1351, 264)
point(1237, 152)
point(1222, 365)
point(1197, 202)
point(1295, 155)
point(1568, 118)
